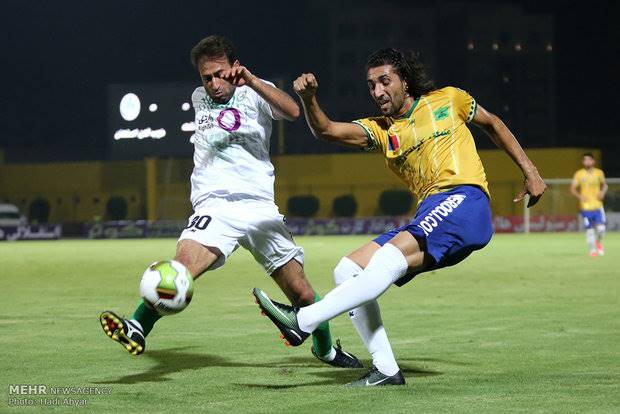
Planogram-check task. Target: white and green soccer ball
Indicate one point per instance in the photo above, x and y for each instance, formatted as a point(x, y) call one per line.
point(167, 286)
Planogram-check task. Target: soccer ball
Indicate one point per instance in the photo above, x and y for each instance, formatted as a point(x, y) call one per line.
point(167, 286)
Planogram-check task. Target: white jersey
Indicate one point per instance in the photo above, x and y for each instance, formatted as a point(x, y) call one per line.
point(231, 147)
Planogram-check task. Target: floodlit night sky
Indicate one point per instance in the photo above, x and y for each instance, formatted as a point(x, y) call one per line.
point(59, 56)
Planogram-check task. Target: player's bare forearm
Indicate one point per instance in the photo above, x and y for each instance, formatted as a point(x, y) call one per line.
point(604, 188)
point(504, 139)
point(316, 119)
point(279, 100)
point(574, 192)
point(603, 191)
point(344, 133)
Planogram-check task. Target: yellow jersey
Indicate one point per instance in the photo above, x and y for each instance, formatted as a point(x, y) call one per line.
point(430, 148)
point(590, 184)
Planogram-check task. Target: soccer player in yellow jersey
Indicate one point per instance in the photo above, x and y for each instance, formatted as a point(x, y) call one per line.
point(423, 135)
point(589, 187)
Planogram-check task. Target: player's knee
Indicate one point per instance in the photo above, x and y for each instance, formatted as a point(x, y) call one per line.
point(196, 257)
point(345, 269)
point(184, 257)
point(600, 228)
point(185, 249)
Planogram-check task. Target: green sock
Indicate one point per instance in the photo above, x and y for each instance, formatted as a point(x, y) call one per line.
point(146, 316)
point(321, 337)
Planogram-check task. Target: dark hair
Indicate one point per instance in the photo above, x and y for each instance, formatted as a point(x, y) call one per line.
point(409, 68)
point(588, 154)
point(213, 47)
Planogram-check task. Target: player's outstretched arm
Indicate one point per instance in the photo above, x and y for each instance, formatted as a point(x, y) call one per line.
point(503, 138)
point(279, 101)
point(344, 133)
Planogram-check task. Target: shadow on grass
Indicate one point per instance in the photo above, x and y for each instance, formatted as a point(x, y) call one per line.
point(337, 376)
point(174, 360)
point(440, 361)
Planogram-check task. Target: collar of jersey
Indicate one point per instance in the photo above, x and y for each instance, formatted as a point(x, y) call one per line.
point(216, 105)
point(410, 111)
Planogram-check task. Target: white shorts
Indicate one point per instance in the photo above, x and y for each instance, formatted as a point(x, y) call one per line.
point(256, 225)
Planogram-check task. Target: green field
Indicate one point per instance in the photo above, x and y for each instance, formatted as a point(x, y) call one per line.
point(530, 324)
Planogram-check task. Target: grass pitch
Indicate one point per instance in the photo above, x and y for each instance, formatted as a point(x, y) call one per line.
point(529, 324)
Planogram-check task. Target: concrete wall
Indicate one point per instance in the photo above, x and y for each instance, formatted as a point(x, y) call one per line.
point(80, 190)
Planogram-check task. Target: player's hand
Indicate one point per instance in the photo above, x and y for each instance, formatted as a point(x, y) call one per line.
point(533, 185)
point(306, 85)
point(238, 75)
point(600, 195)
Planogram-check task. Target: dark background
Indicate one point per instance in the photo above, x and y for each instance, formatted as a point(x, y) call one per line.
point(58, 59)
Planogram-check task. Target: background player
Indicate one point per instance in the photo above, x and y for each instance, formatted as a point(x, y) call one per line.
point(589, 187)
point(232, 192)
point(422, 134)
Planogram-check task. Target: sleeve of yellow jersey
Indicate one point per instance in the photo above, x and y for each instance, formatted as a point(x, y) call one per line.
point(464, 104)
point(376, 135)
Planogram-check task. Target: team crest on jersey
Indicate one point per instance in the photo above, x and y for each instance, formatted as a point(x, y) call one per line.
point(229, 119)
point(441, 113)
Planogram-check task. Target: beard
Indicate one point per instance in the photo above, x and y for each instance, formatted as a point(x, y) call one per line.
point(390, 109)
point(393, 107)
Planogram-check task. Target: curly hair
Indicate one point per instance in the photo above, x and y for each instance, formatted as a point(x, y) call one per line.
point(409, 68)
point(213, 47)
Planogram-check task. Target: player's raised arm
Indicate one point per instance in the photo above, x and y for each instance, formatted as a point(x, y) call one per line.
point(279, 101)
point(344, 133)
point(495, 128)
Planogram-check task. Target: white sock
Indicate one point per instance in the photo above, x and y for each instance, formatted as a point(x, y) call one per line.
point(138, 324)
point(387, 265)
point(368, 323)
point(591, 239)
point(600, 232)
point(330, 356)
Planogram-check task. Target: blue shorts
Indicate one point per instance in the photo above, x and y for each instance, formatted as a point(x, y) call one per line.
point(593, 217)
point(449, 226)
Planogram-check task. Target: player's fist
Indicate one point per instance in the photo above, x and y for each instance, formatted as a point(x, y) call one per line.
point(306, 85)
point(237, 75)
point(533, 185)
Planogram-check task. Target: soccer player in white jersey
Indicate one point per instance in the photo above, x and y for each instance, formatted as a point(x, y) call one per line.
point(232, 192)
